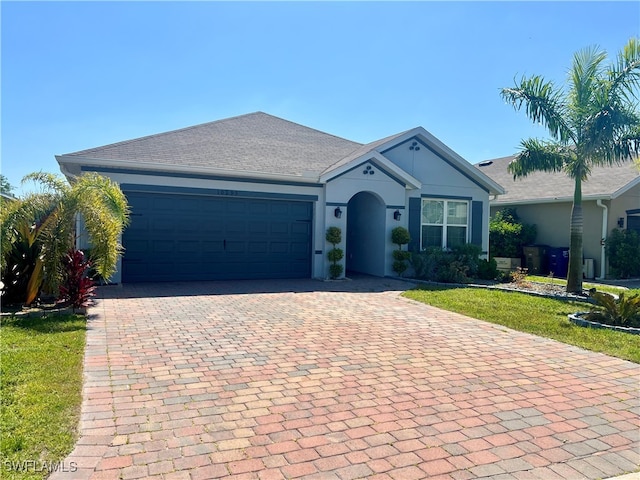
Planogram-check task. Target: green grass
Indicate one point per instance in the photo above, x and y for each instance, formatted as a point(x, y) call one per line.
point(40, 392)
point(541, 316)
point(561, 281)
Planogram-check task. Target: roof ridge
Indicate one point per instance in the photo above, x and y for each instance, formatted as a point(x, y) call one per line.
point(311, 128)
point(200, 125)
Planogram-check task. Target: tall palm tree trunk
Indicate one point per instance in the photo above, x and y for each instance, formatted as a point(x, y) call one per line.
point(574, 276)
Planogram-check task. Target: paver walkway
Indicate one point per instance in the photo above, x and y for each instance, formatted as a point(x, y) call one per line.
point(342, 380)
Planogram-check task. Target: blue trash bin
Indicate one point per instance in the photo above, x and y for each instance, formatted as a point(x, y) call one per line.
point(558, 261)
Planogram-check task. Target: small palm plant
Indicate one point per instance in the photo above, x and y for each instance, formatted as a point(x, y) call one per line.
point(37, 231)
point(623, 311)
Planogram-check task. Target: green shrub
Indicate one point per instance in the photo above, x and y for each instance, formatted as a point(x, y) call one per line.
point(488, 269)
point(623, 252)
point(624, 312)
point(459, 265)
point(507, 234)
point(425, 263)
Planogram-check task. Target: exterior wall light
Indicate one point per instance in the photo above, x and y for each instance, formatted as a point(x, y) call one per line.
point(621, 222)
point(337, 212)
point(397, 215)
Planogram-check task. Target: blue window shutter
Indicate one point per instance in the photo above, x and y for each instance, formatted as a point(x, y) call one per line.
point(476, 223)
point(415, 210)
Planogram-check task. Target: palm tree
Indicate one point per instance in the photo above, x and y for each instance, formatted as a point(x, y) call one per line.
point(593, 122)
point(37, 230)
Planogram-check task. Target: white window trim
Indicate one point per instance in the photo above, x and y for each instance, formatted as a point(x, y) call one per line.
point(444, 224)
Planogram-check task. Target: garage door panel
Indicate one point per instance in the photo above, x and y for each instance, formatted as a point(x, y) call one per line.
point(191, 247)
point(237, 206)
point(189, 205)
point(280, 209)
point(136, 245)
point(258, 208)
point(211, 227)
point(279, 228)
point(162, 246)
point(234, 247)
point(301, 228)
point(160, 204)
point(189, 237)
point(138, 224)
point(258, 228)
point(299, 248)
point(235, 227)
point(258, 247)
point(210, 247)
point(162, 225)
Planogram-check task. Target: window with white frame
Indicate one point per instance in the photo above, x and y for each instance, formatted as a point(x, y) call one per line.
point(444, 222)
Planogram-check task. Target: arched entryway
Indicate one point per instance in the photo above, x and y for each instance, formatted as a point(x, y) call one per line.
point(365, 234)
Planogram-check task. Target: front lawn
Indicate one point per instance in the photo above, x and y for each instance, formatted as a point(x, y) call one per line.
point(40, 393)
point(541, 316)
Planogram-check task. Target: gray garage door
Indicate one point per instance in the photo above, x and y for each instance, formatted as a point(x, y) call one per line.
point(175, 237)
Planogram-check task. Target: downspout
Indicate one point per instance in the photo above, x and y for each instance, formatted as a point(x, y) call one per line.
point(605, 221)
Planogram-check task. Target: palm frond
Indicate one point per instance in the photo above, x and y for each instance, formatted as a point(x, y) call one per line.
point(611, 135)
point(543, 103)
point(105, 211)
point(584, 74)
point(536, 155)
point(624, 76)
point(20, 217)
point(628, 146)
point(48, 181)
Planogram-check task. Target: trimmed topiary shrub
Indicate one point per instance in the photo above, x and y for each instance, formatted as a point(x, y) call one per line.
point(334, 237)
point(400, 236)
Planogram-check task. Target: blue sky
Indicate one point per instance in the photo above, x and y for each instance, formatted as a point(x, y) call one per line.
point(77, 75)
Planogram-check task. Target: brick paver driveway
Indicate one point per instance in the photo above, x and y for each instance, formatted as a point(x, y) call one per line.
point(285, 379)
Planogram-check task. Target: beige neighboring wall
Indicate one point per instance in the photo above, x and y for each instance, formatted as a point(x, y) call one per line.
point(630, 200)
point(553, 219)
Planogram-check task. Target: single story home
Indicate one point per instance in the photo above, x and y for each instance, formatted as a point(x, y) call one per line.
point(610, 199)
point(252, 197)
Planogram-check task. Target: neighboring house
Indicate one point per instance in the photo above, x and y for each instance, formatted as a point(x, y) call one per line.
point(8, 197)
point(610, 199)
point(252, 196)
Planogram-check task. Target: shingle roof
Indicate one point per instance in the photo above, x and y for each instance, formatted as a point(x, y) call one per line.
point(542, 186)
point(256, 142)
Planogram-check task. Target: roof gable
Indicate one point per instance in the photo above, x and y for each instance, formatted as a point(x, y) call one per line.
point(389, 168)
point(603, 182)
point(378, 148)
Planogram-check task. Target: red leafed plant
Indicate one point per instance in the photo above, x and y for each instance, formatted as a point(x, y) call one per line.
point(76, 288)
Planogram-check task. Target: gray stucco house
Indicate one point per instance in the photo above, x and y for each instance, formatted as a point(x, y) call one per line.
point(252, 196)
point(611, 199)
